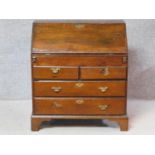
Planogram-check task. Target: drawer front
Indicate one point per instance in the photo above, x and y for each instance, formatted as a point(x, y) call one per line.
point(70, 60)
point(55, 72)
point(107, 72)
point(84, 88)
point(86, 106)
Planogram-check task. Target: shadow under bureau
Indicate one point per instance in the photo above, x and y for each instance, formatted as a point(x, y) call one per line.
point(79, 71)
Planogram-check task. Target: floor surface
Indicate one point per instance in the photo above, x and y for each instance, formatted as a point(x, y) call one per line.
point(15, 119)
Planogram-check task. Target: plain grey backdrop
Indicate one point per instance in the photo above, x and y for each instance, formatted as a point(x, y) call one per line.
point(15, 71)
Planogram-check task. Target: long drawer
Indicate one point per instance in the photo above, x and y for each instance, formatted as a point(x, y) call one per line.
point(84, 106)
point(70, 60)
point(83, 88)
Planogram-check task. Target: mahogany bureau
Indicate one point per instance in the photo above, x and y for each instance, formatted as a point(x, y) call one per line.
point(79, 71)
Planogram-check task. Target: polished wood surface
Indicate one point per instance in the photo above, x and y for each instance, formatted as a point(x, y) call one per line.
point(78, 60)
point(79, 38)
point(79, 71)
point(87, 88)
point(55, 72)
point(77, 106)
point(89, 73)
point(107, 72)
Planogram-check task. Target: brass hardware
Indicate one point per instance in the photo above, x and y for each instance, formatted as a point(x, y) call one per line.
point(103, 106)
point(47, 54)
point(125, 59)
point(80, 101)
point(79, 26)
point(79, 85)
point(55, 70)
point(103, 89)
point(56, 89)
point(105, 71)
point(56, 105)
point(34, 59)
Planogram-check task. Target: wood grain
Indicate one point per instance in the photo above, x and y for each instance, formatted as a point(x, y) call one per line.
point(88, 106)
point(89, 88)
point(47, 73)
point(77, 60)
point(79, 38)
point(83, 88)
point(108, 72)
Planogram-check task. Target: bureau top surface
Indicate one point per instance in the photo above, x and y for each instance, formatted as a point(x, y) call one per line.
point(79, 38)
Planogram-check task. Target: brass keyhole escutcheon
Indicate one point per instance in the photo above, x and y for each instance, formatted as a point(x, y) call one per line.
point(55, 70)
point(79, 85)
point(105, 71)
point(80, 101)
point(56, 105)
point(103, 106)
point(103, 89)
point(56, 89)
point(79, 26)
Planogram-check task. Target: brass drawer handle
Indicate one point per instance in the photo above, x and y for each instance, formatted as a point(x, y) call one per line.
point(105, 71)
point(34, 59)
point(103, 89)
point(56, 89)
point(55, 70)
point(103, 106)
point(57, 105)
point(79, 85)
point(80, 101)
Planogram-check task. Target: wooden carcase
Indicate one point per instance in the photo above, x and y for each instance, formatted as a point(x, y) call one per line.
point(79, 71)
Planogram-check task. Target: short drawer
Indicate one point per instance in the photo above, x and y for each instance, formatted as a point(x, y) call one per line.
point(83, 88)
point(55, 72)
point(80, 60)
point(107, 72)
point(84, 106)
